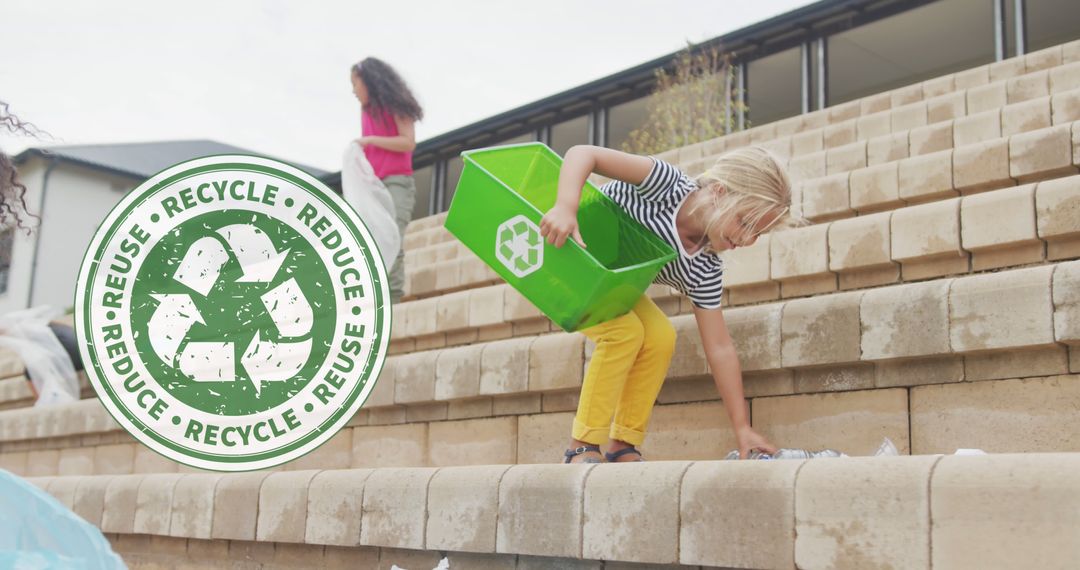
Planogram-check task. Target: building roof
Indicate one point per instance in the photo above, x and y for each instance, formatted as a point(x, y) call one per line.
point(775, 34)
point(143, 160)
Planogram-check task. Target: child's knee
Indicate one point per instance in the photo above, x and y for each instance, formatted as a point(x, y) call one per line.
point(660, 336)
point(627, 329)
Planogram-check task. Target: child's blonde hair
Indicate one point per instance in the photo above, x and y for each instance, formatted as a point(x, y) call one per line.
point(749, 180)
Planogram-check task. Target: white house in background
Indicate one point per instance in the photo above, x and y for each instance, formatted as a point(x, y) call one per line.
point(72, 189)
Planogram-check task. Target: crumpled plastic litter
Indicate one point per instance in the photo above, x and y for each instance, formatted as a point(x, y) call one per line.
point(37, 531)
point(886, 449)
point(26, 332)
point(370, 198)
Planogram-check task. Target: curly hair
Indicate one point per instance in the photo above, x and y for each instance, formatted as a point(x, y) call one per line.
point(387, 90)
point(12, 190)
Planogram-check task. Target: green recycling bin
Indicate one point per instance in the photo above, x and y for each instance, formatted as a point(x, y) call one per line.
point(500, 198)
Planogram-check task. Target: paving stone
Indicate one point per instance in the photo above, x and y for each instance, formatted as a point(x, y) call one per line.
point(821, 330)
point(334, 507)
point(997, 416)
point(540, 510)
point(390, 446)
point(970, 495)
point(486, 305)
point(986, 97)
point(925, 234)
point(1001, 310)
point(650, 520)
point(1022, 363)
point(818, 421)
point(236, 506)
point(926, 177)
point(756, 333)
point(542, 438)
point(1041, 154)
point(283, 505)
point(153, 507)
point(473, 442)
point(121, 497)
point(917, 371)
point(394, 508)
point(845, 158)
point(1057, 206)
point(860, 244)
point(876, 188)
point(457, 372)
point(504, 366)
point(863, 512)
point(759, 501)
point(463, 506)
point(905, 321)
point(887, 148)
point(931, 138)
point(827, 198)
point(999, 228)
point(976, 128)
point(908, 117)
point(840, 378)
point(556, 361)
point(89, 499)
point(946, 106)
point(414, 377)
point(982, 166)
point(192, 513)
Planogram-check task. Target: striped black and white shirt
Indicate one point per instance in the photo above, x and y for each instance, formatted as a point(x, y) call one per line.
point(699, 276)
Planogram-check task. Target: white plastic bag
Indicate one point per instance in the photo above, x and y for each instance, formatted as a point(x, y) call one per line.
point(444, 564)
point(27, 333)
point(372, 202)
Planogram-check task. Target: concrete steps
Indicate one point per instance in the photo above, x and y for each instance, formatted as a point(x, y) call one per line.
point(835, 513)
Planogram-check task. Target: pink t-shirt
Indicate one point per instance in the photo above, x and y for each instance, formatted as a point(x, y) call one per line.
point(385, 162)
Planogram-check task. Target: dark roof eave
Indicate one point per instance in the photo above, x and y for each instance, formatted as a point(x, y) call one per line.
point(51, 156)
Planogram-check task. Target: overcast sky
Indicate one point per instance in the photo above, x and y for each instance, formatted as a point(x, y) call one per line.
point(272, 76)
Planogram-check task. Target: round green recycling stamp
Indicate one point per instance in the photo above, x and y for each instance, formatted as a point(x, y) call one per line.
point(234, 313)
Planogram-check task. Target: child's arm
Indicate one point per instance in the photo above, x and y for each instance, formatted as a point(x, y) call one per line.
point(405, 141)
point(727, 373)
point(580, 161)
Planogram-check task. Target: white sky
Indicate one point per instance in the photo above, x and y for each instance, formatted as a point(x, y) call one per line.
point(273, 76)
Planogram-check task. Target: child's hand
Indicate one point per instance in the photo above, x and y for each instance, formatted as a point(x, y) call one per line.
point(559, 223)
point(749, 439)
point(363, 142)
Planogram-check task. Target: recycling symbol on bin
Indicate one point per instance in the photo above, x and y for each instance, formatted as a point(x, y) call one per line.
point(214, 361)
point(518, 245)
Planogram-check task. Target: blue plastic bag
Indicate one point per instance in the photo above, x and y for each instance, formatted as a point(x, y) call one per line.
point(38, 532)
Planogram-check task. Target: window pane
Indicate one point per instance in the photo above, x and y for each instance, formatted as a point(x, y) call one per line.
point(1051, 22)
point(624, 118)
point(774, 87)
point(926, 42)
point(423, 191)
point(569, 133)
point(453, 172)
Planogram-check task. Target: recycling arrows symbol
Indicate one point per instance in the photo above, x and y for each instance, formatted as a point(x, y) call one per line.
point(176, 313)
point(518, 246)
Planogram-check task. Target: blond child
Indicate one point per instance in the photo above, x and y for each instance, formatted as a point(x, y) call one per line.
point(744, 194)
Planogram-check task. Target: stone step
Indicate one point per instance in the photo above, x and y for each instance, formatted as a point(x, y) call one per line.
point(1014, 226)
point(868, 148)
point(1012, 324)
point(849, 513)
point(1044, 154)
point(930, 412)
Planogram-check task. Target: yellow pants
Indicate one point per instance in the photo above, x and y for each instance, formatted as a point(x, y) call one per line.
point(624, 377)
